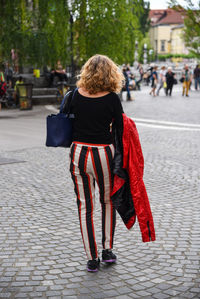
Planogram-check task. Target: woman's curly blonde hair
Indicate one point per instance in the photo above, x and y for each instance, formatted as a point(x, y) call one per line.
point(100, 73)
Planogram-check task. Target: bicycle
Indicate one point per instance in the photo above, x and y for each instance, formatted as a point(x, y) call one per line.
point(7, 100)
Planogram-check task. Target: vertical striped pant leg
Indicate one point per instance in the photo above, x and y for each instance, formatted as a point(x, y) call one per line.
point(102, 160)
point(84, 189)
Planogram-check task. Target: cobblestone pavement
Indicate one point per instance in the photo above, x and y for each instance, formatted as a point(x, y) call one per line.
point(41, 252)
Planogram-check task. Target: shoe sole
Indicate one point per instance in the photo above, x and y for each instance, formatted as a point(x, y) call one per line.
point(109, 261)
point(90, 270)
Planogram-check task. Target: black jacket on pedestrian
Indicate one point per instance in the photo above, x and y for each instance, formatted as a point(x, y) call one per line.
point(169, 78)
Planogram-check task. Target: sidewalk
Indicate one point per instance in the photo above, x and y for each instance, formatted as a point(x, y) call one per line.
point(41, 253)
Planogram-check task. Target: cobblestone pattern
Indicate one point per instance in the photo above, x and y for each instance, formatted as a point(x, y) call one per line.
point(41, 252)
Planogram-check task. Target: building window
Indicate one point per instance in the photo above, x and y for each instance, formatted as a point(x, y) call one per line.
point(162, 47)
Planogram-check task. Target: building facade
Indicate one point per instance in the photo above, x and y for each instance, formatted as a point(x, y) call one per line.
point(166, 31)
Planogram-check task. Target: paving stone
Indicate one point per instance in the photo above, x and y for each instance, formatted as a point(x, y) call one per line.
point(68, 292)
point(137, 287)
point(163, 286)
point(32, 283)
point(195, 290)
point(143, 293)
point(154, 290)
point(189, 295)
point(111, 293)
point(21, 295)
point(36, 295)
point(26, 289)
point(124, 290)
point(171, 292)
point(53, 293)
point(5, 295)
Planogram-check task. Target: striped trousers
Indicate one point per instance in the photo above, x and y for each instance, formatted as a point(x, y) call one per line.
point(92, 164)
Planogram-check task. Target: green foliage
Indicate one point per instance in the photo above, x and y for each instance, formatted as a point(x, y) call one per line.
point(105, 27)
point(191, 30)
point(45, 31)
point(141, 10)
point(163, 57)
point(38, 31)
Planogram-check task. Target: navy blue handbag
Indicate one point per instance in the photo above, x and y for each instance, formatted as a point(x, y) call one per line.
point(60, 126)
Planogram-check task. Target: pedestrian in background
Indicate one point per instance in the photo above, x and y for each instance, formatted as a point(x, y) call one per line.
point(59, 72)
point(15, 60)
point(95, 106)
point(141, 74)
point(141, 71)
point(16, 92)
point(162, 79)
point(154, 81)
point(127, 79)
point(149, 75)
point(170, 76)
point(187, 76)
point(196, 75)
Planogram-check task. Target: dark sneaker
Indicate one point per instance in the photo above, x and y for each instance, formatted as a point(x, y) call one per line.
point(108, 256)
point(93, 265)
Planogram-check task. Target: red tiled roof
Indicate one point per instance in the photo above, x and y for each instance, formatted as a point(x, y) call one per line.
point(165, 16)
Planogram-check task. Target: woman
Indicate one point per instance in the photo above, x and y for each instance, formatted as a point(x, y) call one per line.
point(154, 81)
point(162, 79)
point(170, 76)
point(95, 106)
point(187, 80)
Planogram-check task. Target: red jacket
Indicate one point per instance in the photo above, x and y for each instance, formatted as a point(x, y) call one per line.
point(129, 194)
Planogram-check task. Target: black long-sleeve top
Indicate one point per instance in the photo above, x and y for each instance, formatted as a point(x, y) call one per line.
point(93, 117)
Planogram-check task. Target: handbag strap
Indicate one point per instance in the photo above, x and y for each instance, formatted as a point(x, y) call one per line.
point(67, 101)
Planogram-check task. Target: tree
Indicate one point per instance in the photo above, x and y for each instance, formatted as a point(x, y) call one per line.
point(107, 27)
point(37, 29)
point(45, 31)
point(141, 10)
point(191, 31)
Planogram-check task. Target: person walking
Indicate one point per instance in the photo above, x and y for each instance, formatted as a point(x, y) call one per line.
point(149, 75)
point(196, 75)
point(170, 76)
point(162, 79)
point(95, 106)
point(16, 91)
point(187, 76)
point(127, 79)
point(154, 81)
point(141, 74)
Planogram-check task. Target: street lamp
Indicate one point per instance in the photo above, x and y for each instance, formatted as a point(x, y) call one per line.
point(145, 54)
point(71, 21)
